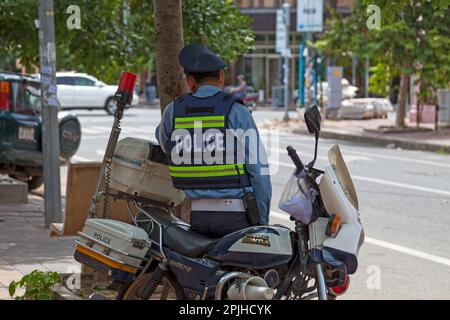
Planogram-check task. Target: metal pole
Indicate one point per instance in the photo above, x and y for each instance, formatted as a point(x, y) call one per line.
point(367, 77)
point(286, 11)
point(286, 89)
point(50, 131)
point(315, 79)
point(354, 65)
point(319, 80)
point(309, 69)
point(301, 76)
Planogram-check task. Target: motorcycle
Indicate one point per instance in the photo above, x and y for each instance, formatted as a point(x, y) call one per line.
point(160, 257)
point(250, 99)
point(261, 262)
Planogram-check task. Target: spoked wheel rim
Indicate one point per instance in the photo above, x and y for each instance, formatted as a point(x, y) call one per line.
point(165, 291)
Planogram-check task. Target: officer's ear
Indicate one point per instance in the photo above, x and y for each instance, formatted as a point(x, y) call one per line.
point(221, 78)
point(191, 83)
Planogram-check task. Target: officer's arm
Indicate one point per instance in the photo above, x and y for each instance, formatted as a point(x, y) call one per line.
point(241, 118)
point(164, 130)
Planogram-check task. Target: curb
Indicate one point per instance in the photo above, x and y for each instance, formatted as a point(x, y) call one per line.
point(62, 293)
point(378, 141)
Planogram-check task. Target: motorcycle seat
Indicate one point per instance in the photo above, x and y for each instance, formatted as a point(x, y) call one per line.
point(178, 236)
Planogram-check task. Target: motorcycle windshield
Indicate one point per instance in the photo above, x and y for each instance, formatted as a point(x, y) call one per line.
point(341, 171)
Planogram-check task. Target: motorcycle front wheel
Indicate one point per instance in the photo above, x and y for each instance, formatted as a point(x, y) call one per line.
point(169, 289)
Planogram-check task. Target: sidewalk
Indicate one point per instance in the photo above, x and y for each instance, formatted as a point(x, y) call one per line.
point(378, 132)
point(25, 244)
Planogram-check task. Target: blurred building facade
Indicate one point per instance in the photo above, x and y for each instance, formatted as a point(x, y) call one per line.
point(262, 65)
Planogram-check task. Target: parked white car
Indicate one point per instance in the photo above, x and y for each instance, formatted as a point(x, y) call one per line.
point(365, 108)
point(348, 92)
point(382, 107)
point(356, 109)
point(82, 91)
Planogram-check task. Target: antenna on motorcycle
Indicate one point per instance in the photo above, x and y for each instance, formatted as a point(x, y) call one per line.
point(313, 120)
point(123, 97)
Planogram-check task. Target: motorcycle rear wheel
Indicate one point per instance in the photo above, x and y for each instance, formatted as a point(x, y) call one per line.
point(169, 289)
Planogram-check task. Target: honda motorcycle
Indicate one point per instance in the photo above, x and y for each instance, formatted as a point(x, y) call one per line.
point(158, 256)
point(263, 262)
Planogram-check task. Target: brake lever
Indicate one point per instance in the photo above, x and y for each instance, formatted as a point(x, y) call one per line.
point(309, 167)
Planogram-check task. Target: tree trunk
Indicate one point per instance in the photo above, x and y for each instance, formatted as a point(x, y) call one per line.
point(436, 118)
point(418, 118)
point(169, 42)
point(402, 101)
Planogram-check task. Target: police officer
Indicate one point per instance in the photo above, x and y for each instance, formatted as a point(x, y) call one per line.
point(206, 136)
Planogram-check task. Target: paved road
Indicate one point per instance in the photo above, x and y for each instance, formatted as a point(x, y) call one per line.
point(404, 201)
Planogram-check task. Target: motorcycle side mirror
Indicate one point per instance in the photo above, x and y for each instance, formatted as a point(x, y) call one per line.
point(313, 119)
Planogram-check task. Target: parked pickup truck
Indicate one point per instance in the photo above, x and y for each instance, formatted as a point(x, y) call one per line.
point(21, 129)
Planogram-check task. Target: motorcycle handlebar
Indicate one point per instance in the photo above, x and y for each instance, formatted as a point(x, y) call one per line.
point(295, 158)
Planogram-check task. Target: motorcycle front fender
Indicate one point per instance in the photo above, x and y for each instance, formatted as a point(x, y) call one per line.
point(345, 246)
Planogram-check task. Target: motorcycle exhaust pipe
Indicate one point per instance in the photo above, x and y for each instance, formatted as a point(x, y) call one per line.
point(254, 288)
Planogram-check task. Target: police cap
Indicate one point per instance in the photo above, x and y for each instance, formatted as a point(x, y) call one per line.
point(195, 58)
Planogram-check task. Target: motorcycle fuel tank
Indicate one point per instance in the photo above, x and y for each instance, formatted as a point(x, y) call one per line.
point(254, 247)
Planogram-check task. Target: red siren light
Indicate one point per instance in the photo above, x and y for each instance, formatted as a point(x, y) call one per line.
point(127, 82)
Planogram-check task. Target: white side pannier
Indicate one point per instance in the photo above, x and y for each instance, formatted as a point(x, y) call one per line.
point(140, 168)
point(113, 248)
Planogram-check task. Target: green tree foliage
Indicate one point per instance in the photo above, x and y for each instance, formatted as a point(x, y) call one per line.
point(348, 36)
point(109, 41)
point(18, 35)
point(413, 39)
point(218, 25)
